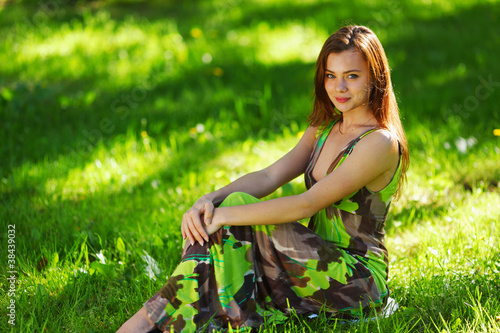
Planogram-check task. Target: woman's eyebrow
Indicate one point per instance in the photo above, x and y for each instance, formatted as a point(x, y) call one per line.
point(349, 71)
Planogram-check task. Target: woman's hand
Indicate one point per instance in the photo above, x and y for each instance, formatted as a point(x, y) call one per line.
point(213, 227)
point(196, 222)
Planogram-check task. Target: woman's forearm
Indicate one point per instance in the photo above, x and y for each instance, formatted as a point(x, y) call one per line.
point(258, 184)
point(275, 211)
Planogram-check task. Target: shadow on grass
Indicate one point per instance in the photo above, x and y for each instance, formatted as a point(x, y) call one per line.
point(452, 75)
point(429, 76)
point(42, 121)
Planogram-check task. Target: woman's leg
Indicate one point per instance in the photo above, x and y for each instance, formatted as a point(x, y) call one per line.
point(138, 323)
point(245, 273)
point(212, 285)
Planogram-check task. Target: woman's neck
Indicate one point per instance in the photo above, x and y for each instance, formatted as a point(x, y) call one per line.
point(351, 120)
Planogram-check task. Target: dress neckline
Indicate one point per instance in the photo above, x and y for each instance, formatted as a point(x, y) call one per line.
point(336, 160)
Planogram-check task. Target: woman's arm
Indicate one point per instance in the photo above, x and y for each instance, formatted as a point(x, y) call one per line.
point(259, 184)
point(264, 182)
point(371, 158)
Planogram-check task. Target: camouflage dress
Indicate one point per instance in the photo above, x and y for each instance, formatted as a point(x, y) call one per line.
point(246, 275)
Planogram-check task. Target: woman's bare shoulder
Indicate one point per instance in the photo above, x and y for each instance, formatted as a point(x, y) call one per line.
point(381, 141)
point(384, 137)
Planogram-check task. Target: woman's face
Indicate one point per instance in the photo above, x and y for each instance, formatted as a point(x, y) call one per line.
point(347, 80)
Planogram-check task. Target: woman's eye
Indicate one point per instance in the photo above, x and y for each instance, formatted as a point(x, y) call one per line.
point(352, 76)
point(330, 76)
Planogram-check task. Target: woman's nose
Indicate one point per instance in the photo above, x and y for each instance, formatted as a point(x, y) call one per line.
point(341, 86)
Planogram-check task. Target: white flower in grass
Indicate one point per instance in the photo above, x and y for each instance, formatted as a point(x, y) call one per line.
point(206, 58)
point(200, 128)
point(101, 257)
point(461, 144)
point(432, 251)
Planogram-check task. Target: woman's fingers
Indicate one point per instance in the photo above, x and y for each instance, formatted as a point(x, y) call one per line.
point(195, 220)
point(194, 229)
point(198, 230)
point(208, 209)
point(185, 229)
point(186, 233)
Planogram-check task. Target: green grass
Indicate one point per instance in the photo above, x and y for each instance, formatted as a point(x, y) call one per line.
point(116, 116)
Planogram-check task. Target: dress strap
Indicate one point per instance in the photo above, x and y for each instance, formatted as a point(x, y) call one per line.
point(323, 133)
point(344, 153)
point(321, 136)
point(351, 145)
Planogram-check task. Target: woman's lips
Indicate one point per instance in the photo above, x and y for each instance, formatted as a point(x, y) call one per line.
point(342, 99)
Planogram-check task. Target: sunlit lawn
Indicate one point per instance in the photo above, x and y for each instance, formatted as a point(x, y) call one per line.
point(116, 116)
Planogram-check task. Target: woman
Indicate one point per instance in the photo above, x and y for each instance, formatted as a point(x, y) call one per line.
point(245, 261)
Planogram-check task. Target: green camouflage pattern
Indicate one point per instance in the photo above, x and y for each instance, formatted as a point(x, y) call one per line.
point(250, 274)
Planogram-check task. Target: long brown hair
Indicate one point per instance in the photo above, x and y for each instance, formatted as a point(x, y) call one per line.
point(382, 100)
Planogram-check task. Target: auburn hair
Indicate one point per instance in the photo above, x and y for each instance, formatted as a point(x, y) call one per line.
point(382, 100)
